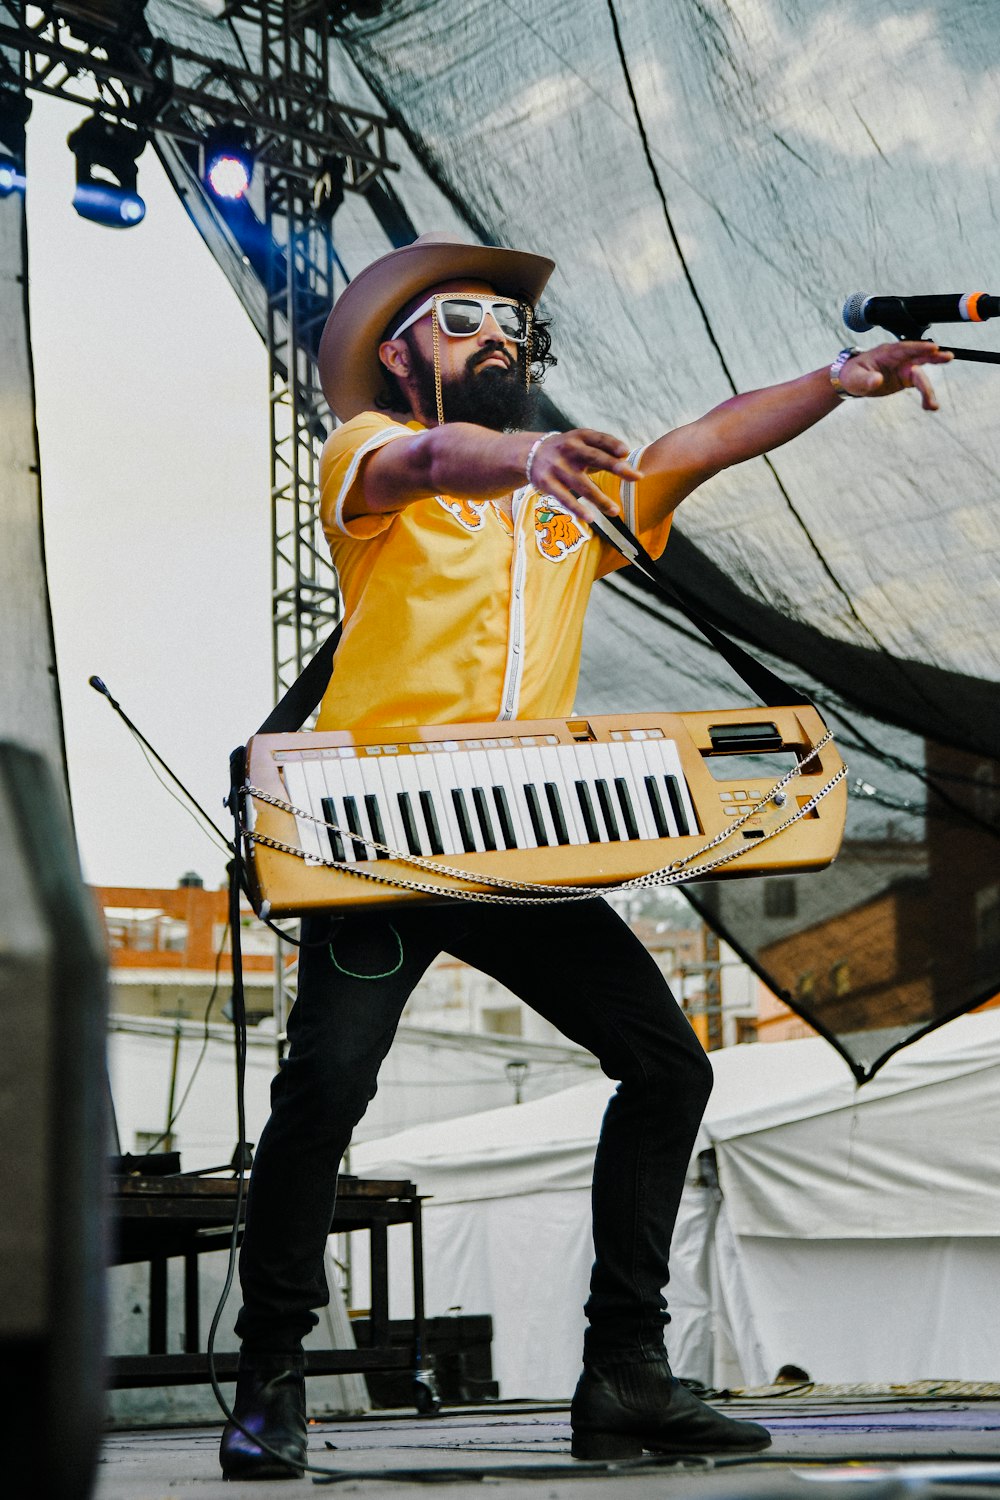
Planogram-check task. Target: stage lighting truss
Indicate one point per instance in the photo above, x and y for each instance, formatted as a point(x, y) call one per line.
point(15, 107)
point(309, 148)
point(86, 53)
point(106, 154)
point(228, 162)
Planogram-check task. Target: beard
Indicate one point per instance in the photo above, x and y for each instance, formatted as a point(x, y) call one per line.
point(496, 398)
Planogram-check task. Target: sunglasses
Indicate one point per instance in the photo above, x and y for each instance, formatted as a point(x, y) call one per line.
point(461, 317)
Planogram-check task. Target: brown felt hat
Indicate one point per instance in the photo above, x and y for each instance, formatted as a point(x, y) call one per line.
point(350, 371)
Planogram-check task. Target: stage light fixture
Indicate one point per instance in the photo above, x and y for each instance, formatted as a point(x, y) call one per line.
point(228, 160)
point(15, 107)
point(106, 153)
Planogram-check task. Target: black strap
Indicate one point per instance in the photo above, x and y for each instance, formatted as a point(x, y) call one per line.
point(306, 691)
point(768, 686)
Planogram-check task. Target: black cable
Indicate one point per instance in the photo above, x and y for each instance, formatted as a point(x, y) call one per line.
point(101, 687)
point(668, 218)
point(179, 800)
point(561, 1469)
point(239, 1035)
point(201, 1055)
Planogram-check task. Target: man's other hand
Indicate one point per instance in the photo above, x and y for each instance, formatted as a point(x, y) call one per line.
point(893, 367)
point(563, 462)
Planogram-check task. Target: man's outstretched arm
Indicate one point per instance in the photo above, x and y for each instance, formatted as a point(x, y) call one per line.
point(463, 459)
point(480, 464)
point(750, 424)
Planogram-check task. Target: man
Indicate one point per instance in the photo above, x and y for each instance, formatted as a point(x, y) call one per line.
point(466, 549)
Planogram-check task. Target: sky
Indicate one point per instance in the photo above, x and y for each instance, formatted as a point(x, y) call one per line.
point(152, 404)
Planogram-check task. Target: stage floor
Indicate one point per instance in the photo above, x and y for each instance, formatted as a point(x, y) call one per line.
point(844, 1447)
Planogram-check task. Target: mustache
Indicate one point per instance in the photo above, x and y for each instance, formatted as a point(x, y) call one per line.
point(489, 351)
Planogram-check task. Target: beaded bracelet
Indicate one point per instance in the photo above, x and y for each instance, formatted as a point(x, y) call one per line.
point(533, 450)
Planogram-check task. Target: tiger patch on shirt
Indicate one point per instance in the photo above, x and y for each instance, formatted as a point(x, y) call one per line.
point(468, 513)
point(557, 533)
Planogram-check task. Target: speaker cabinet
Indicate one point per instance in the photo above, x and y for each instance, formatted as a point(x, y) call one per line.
point(53, 1142)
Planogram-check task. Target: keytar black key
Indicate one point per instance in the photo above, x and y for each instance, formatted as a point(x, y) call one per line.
point(587, 808)
point(375, 819)
point(674, 793)
point(628, 811)
point(410, 831)
point(659, 816)
point(431, 822)
point(353, 815)
point(610, 821)
point(464, 825)
point(556, 809)
point(483, 814)
point(330, 814)
point(535, 814)
point(504, 817)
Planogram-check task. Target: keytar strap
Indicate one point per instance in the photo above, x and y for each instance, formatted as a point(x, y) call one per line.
point(301, 698)
point(767, 685)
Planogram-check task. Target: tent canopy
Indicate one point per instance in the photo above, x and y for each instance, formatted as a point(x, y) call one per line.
point(838, 1211)
point(802, 1151)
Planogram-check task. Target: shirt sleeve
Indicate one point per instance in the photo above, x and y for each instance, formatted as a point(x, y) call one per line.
point(340, 470)
point(627, 493)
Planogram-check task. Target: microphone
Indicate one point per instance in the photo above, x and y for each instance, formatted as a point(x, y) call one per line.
point(101, 687)
point(909, 316)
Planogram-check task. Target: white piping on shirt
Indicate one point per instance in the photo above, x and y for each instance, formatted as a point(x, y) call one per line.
point(377, 441)
point(629, 515)
point(514, 670)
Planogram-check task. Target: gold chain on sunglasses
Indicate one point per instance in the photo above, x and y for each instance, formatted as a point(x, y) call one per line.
point(436, 339)
point(436, 343)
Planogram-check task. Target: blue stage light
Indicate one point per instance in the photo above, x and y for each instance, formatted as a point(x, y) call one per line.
point(228, 162)
point(11, 176)
point(106, 172)
point(104, 203)
point(15, 107)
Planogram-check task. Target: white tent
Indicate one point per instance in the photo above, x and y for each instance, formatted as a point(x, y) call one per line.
point(854, 1232)
point(428, 1075)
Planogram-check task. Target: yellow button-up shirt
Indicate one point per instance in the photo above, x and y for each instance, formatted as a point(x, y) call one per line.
point(452, 614)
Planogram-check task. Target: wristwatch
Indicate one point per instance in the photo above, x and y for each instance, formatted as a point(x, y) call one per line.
point(835, 369)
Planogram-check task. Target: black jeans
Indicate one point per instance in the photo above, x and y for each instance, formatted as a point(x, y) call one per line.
point(578, 965)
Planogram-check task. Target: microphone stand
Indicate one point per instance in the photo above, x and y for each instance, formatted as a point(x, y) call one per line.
point(977, 356)
point(902, 328)
point(101, 687)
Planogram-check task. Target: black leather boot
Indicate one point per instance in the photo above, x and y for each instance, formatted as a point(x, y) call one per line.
point(270, 1403)
point(621, 1408)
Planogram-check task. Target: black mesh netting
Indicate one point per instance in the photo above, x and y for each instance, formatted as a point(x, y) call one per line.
point(712, 180)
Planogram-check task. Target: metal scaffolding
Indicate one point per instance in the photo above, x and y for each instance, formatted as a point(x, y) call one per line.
point(302, 190)
point(309, 148)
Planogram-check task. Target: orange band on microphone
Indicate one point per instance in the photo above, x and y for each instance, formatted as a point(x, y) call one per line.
point(970, 307)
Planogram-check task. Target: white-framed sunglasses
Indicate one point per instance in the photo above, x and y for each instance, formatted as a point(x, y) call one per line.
point(462, 316)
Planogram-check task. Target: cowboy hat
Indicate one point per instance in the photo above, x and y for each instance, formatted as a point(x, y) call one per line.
point(350, 371)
